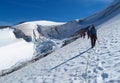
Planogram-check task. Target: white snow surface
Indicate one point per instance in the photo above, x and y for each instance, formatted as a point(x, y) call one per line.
point(47, 23)
point(28, 27)
point(15, 53)
point(7, 37)
point(98, 65)
point(12, 50)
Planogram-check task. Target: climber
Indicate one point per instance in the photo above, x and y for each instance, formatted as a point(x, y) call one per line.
point(92, 33)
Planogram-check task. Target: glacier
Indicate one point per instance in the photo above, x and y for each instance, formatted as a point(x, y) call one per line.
point(75, 62)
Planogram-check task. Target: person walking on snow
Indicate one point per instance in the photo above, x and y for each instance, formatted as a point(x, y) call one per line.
point(92, 33)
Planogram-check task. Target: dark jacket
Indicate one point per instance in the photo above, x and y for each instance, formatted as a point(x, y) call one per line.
point(93, 30)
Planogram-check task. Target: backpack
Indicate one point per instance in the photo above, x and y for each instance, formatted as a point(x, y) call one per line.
point(93, 31)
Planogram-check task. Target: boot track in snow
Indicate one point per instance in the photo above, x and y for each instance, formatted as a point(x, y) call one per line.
point(69, 59)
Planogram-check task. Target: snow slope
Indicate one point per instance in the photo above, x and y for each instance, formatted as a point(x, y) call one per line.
point(81, 64)
point(15, 53)
point(98, 65)
point(12, 50)
point(6, 37)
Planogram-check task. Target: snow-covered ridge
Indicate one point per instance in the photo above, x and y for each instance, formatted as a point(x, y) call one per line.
point(52, 30)
point(108, 13)
point(28, 27)
point(46, 23)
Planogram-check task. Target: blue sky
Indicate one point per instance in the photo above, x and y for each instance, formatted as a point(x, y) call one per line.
point(14, 11)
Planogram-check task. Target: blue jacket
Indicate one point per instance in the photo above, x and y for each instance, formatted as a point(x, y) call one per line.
point(93, 30)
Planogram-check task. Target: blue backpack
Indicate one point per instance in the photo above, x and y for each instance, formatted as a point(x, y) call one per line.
point(93, 31)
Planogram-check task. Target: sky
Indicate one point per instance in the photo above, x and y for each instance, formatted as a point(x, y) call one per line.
point(15, 11)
